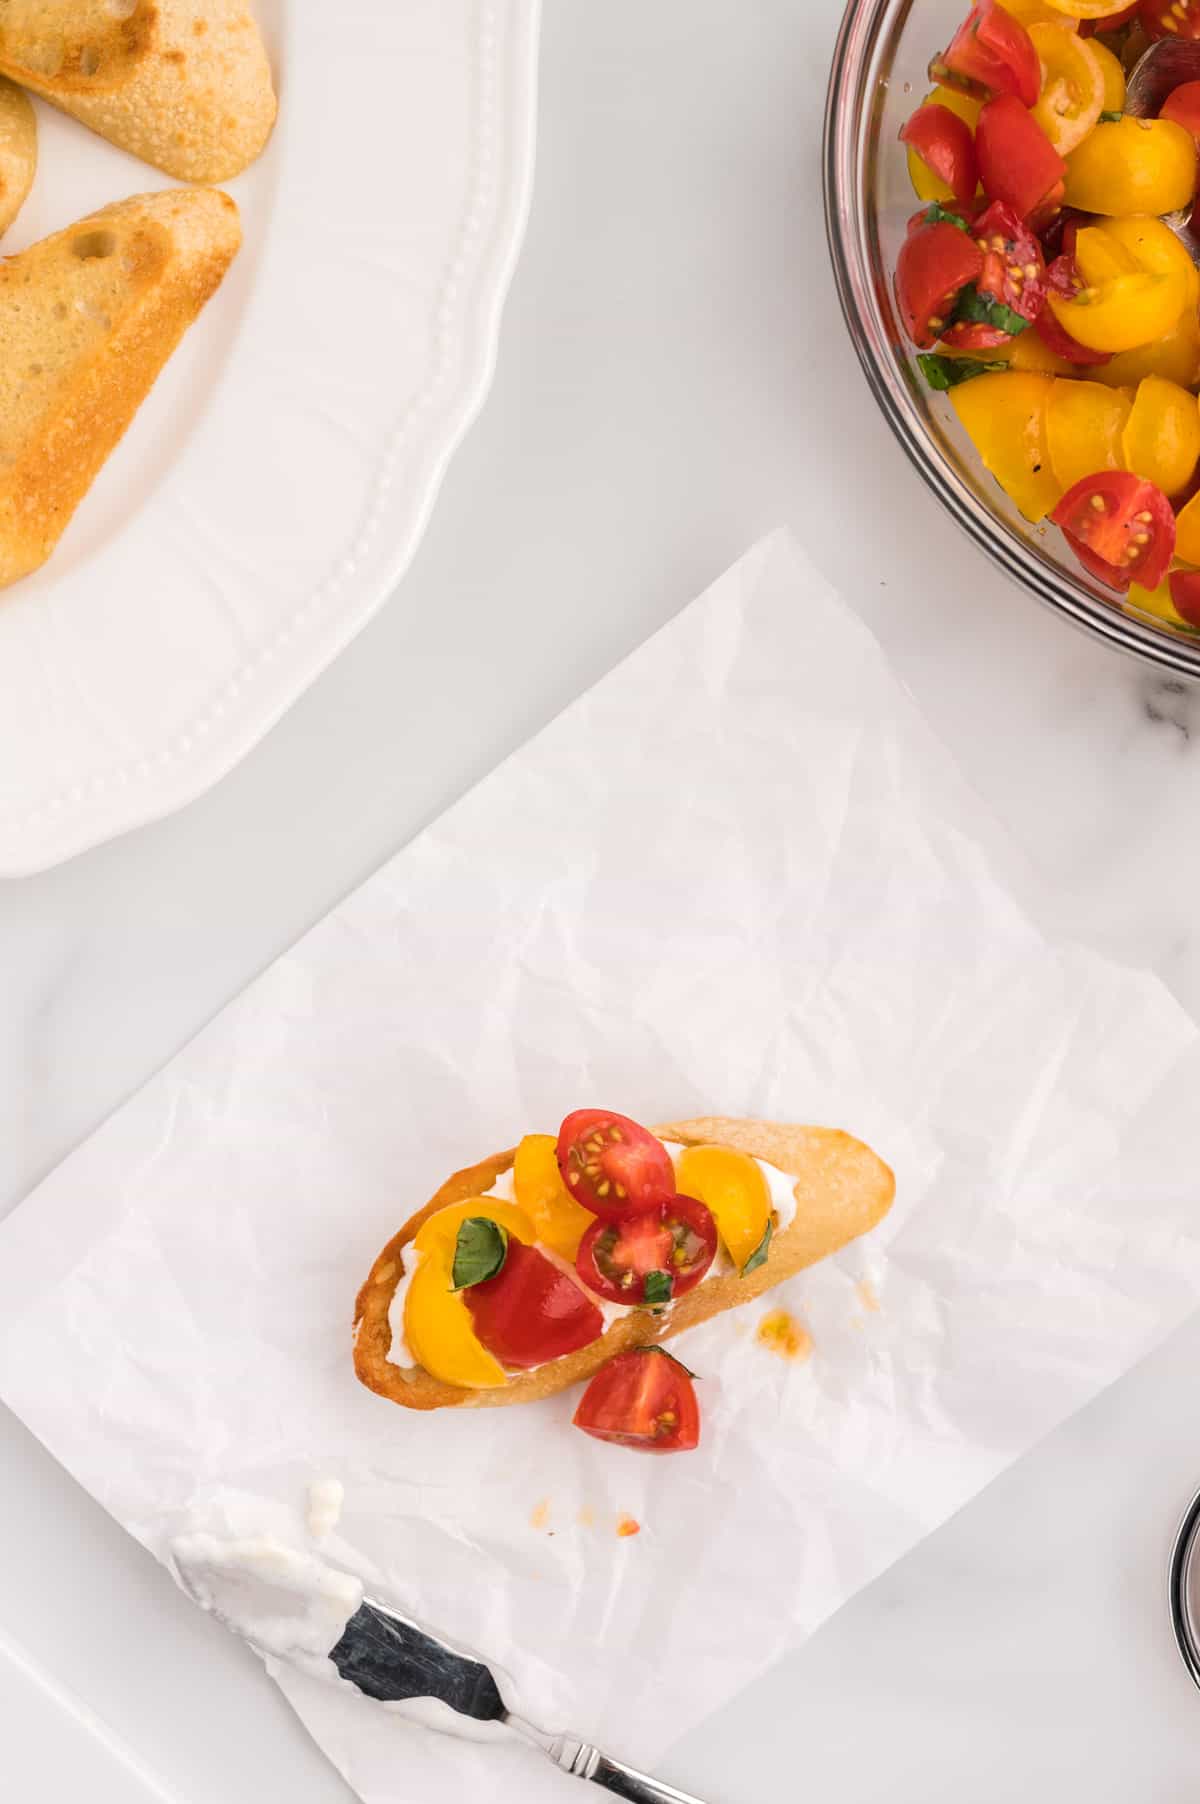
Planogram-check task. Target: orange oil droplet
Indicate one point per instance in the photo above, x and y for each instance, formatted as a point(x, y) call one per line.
point(781, 1333)
point(868, 1296)
point(540, 1514)
point(587, 1516)
point(627, 1526)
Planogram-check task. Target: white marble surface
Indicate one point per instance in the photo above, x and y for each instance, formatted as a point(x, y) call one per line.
point(673, 380)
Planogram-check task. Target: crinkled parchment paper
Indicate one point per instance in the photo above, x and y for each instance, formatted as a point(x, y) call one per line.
point(739, 876)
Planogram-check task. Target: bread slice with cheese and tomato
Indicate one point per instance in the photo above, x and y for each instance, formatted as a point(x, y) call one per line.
point(528, 1272)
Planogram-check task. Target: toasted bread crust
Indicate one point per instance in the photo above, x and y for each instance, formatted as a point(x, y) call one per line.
point(842, 1190)
point(18, 150)
point(87, 320)
point(75, 46)
point(192, 96)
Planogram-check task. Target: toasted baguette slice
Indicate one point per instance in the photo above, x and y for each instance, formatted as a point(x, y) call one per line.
point(81, 46)
point(87, 320)
point(18, 150)
point(190, 91)
point(842, 1190)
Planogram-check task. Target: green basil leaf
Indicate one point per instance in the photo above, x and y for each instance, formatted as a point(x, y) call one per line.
point(479, 1251)
point(985, 310)
point(674, 1361)
point(759, 1255)
point(1110, 118)
point(947, 372)
point(936, 214)
point(657, 1287)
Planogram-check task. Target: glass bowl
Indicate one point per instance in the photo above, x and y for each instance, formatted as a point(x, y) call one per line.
point(878, 77)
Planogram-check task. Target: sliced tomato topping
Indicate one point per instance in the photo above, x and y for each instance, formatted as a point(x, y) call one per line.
point(966, 335)
point(1063, 278)
point(643, 1399)
point(1174, 18)
point(935, 263)
point(531, 1311)
point(1120, 527)
point(1017, 162)
point(609, 1163)
point(1183, 106)
point(946, 144)
point(1185, 593)
point(992, 53)
point(651, 1254)
point(1013, 269)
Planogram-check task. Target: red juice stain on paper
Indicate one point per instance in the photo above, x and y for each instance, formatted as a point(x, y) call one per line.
point(782, 1334)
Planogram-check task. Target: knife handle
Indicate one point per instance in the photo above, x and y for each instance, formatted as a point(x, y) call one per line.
point(636, 1788)
point(583, 1761)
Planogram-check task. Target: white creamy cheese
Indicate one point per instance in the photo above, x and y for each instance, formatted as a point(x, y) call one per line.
point(399, 1353)
point(324, 1506)
point(283, 1602)
point(783, 1194)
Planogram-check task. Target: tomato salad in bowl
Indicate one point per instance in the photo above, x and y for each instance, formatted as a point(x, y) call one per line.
point(573, 1257)
point(1045, 292)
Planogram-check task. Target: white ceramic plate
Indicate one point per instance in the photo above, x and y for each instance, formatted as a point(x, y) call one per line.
point(275, 484)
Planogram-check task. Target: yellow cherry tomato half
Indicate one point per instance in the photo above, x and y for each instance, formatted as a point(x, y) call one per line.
point(1113, 71)
point(1161, 440)
point(1153, 246)
point(1122, 312)
point(1031, 352)
point(1155, 602)
point(441, 1335)
point(437, 1323)
point(1084, 425)
point(1175, 357)
point(1083, 9)
point(1187, 529)
point(1132, 166)
point(1100, 255)
point(1039, 12)
point(733, 1188)
point(1004, 415)
point(559, 1220)
point(440, 1233)
point(927, 185)
point(1072, 96)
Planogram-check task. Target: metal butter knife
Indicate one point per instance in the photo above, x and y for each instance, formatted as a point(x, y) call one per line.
point(389, 1658)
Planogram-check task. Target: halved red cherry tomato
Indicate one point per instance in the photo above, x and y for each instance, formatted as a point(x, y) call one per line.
point(609, 1163)
point(946, 144)
point(1175, 18)
point(1185, 593)
point(1063, 278)
point(935, 263)
point(992, 53)
point(1017, 162)
point(651, 1254)
point(1120, 527)
point(531, 1311)
point(1183, 106)
point(1013, 270)
point(643, 1399)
